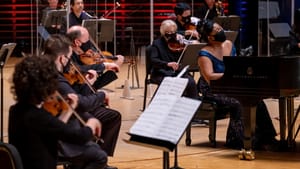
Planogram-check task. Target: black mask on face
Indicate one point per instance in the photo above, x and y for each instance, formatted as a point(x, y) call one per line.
point(170, 36)
point(186, 19)
point(66, 68)
point(220, 36)
point(85, 46)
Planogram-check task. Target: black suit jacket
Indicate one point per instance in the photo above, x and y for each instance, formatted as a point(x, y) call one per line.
point(35, 133)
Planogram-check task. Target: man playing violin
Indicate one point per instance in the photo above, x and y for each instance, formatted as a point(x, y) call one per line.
point(185, 25)
point(88, 100)
point(80, 36)
point(165, 60)
point(35, 132)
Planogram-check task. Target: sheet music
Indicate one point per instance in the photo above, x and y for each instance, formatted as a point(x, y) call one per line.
point(168, 113)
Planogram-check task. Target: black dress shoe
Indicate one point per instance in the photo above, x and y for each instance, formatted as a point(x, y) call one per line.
point(110, 167)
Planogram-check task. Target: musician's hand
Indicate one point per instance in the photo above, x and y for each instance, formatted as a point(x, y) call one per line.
point(173, 65)
point(73, 100)
point(91, 76)
point(120, 60)
point(111, 66)
point(192, 33)
point(95, 125)
point(106, 99)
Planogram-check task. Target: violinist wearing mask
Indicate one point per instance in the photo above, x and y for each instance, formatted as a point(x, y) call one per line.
point(79, 36)
point(164, 60)
point(59, 49)
point(186, 24)
point(34, 131)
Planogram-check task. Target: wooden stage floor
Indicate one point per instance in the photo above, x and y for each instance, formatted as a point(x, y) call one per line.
point(200, 155)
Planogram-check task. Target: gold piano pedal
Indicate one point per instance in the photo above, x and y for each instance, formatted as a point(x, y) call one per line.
point(246, 155)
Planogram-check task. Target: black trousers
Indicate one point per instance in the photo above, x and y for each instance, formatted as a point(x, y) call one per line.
point(82, 156)
point(111, 124)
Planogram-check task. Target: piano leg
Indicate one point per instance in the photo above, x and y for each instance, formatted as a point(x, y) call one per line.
point(282, 118)
point(249, 129)
point(291, 122)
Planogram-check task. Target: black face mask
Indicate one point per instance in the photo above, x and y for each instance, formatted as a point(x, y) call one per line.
point(86, 46)
point(170, 36)
point(186, 19)
point(220, 36)
point(66, 68)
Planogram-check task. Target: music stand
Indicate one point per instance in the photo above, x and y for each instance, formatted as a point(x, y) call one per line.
point(231, 22)
point(190, 56)
point(101, 29)
point(54, 17)
point(5, 52)
point(231, 35)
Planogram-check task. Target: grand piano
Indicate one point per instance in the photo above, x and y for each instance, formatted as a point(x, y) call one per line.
point(251, 79)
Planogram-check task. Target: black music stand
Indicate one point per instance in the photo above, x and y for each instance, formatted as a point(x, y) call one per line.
point(54, 17)
point(5, 52)
point(231, 22)
point(231, 35)
point(101, 29)
point(190, 56)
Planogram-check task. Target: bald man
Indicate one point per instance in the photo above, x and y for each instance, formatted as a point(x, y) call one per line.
point(106, 70)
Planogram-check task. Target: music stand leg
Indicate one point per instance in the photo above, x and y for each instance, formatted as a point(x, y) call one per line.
point(166, 163)
point(1, 120)
point(176, 160)
point(132, 64)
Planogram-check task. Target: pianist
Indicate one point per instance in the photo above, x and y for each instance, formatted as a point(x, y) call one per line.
point(210, 61)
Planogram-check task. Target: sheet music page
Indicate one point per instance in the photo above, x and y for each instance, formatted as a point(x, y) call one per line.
point(171, 86)
point(168, 113)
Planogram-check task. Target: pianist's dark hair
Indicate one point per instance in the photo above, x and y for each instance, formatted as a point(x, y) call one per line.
point(205, 27)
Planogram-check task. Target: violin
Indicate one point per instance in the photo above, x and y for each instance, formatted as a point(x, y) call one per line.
point(96, 57)
point(74, 75)
point(175, 45)
point(91, 57)
point(57, 105)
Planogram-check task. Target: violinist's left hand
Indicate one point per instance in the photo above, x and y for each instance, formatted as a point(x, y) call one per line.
point(91, 76)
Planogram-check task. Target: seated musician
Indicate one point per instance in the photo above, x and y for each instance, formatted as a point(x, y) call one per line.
point(79, 36)
point(211, 66)
point(185, 25)
point(52, 5)
point(164, 60)
point(35, 132)
point(94, 102)
point(76, 16)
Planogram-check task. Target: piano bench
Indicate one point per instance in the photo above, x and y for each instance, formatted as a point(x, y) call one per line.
point(208, 110)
